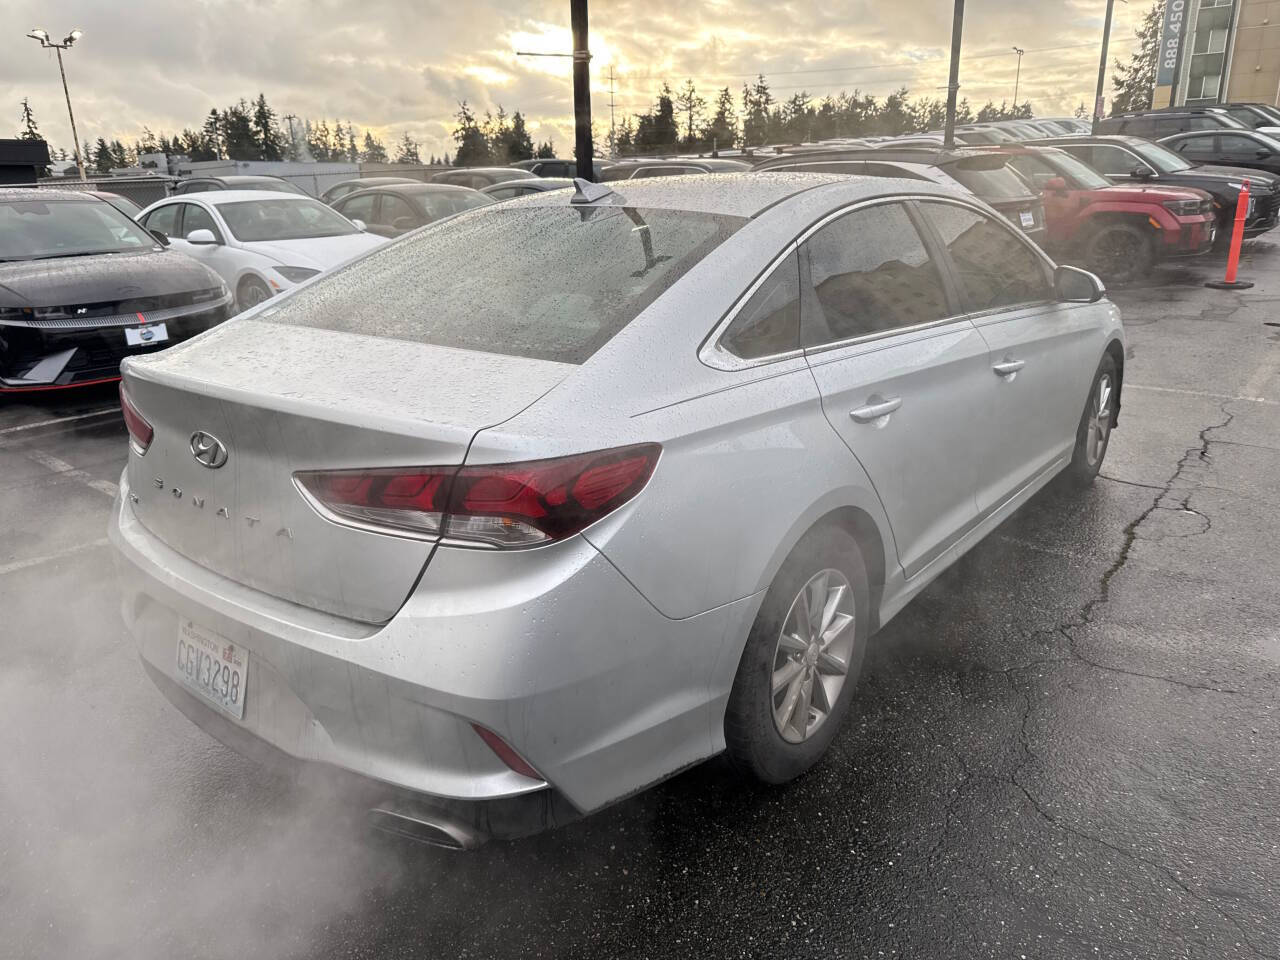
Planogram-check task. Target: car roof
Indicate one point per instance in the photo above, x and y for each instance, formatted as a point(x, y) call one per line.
point(740, 194)
point(537, 183)
point(483, 170)
point(415, 187)
point(925, 153)
point(230, 196)
point(44, 193)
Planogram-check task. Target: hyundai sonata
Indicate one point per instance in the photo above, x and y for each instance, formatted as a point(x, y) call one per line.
point(550, 500)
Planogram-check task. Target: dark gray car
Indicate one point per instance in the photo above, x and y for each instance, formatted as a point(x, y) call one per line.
point(398, 208)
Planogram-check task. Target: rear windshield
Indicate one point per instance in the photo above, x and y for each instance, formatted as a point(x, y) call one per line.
point(988, 181)
point(440, 204)
point(548, 283)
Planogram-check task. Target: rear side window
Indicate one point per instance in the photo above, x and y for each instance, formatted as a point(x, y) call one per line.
point(769, 323)
point(549, 283)
point(1204, 122)
point(995, 268)
point(870, 273)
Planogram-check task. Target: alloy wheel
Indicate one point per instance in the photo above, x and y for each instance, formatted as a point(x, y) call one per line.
point(1099, 423)
point(811, 659)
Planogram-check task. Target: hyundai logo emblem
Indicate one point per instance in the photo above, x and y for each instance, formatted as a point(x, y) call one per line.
point(208, 450)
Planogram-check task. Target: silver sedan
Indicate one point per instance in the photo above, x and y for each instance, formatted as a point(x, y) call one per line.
point(545, 502)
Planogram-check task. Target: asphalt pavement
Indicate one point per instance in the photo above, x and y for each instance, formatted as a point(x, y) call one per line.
point(1066, 747)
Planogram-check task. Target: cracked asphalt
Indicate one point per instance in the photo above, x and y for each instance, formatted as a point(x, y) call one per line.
point(1066, 747)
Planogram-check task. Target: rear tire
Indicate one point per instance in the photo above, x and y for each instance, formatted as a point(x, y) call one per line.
point(802, 660)
point(251, 292)
point(1093, 435)
point(1119, 252)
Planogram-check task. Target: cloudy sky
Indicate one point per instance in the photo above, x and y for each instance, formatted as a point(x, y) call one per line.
point(402, 65)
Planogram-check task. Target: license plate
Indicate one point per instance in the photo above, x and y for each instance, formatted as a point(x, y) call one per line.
point(213, 667)
point(145, 335)
point(1028, 219)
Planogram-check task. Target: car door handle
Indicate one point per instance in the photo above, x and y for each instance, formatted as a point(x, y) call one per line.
point(1007, 368)
point(874, 411)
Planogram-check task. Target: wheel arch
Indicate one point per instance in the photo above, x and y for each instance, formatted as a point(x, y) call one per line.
point(1115, 350)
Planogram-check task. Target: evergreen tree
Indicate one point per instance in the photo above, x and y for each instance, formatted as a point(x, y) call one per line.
point(238, 139)
point(212, 131)
point(102, 159)
point(1135, 82)
point(624, 141)
point(691, 107)
point(120, 156)
point(756, 101)
point(407, 150)
point(520, 146)
point(721, 131)
point(964, 112)
point(353, 152)
point(30, 131)
point(320, 142)
point(272, 144)
point(473, 148)
point(497, 133)
point(656, 132)
point(374, 151)
point(446, 160)
point(545, 151)
point(796, 117)
point(1081, 113)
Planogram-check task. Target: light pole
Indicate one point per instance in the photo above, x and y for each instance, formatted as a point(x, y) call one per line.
point(953, 79)
point(66, 43)
point(1102, 65)
point(1017, 76)
point(581, 57)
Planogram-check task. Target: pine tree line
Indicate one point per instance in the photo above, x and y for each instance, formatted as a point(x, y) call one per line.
point(498, 140)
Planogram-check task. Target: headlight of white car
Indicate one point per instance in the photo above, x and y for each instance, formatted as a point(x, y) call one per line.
point(296, 274)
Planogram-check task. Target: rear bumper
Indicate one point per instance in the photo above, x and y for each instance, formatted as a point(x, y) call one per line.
point(552, 649)
point(52, 357)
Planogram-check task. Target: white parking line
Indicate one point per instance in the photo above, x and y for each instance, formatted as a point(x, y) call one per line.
point(59, 466)
point(1201, 393)
point(16, 565)
point(56, 420)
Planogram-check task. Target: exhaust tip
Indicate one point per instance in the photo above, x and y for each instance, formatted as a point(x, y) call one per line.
point(428, 826)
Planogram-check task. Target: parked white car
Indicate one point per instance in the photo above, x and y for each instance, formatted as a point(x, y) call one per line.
point(260, 242)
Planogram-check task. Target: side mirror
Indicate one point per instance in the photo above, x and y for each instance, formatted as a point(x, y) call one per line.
point(1073, 285)
point(202, 238)
point(160, 237)
point(1056, 185)
point(1262, 154)
point(360, 224)
point(1142, 173)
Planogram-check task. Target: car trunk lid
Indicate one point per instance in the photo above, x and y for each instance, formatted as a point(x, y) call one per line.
point(282, 399)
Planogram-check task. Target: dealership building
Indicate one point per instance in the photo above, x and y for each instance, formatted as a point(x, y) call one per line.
point(1217, 50)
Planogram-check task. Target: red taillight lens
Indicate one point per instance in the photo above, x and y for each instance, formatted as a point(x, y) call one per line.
point(505, 505)
point(505, 753)
point(140, 432)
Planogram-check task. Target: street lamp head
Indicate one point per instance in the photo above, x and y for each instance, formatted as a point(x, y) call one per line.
point(73, 36)
point(38, 34)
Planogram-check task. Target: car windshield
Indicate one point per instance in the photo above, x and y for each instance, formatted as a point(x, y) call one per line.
point(988, 178)
point(285, 219)
point(42, 229)
point(440, 203)
point(1162, 158)
point(1073, 168)
point(550, 283)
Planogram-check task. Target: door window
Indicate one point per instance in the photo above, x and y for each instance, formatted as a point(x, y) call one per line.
point(995, 267)
point(1197, 147)
point(1115, 162)
point(769, 323)
point(1236, 145)
point(1204, 121)
point(870, 273)
point(397, 214)
point(360, 208)
point(196, 217)
point(505, 193)
point(164, 219)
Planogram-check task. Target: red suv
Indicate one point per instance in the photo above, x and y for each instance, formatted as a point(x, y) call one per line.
point(1117, 231)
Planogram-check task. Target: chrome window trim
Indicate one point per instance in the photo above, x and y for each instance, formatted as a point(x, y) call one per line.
point(713, 353)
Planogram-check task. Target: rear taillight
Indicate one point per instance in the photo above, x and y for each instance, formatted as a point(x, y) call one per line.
point(140, 431)
point(505, 505)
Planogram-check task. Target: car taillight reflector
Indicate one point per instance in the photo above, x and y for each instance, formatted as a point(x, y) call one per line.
point(505, 753)
point(504, 505)
point(140, 431)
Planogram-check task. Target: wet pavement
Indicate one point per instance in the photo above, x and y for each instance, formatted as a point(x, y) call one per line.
point(1068, 746)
